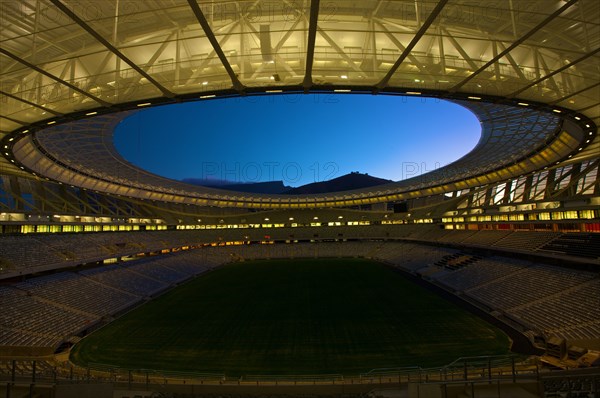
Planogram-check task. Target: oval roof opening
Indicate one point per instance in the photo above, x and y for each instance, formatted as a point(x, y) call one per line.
point(282, 142)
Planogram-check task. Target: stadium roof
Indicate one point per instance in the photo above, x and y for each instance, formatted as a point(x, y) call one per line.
point(68, 69)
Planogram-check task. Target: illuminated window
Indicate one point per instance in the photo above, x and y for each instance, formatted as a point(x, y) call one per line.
point(557, 215)
point(587, 182)
point(572, 214)
point(26, 229)
point(543, 216)
point(517, 190)
point(586, 214)
point(43, 228)
point(562, 177)
point(538, 186)
point(497, 196)
point(424, 221)
point(478, 199)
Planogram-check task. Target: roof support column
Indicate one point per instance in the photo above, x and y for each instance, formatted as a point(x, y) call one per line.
point(237, 85)
point(310, 46)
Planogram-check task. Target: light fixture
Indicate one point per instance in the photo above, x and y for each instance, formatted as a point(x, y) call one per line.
point(344, 76)
point(342, 91)
point(207, 96)
point(413, 92)
point(556, 110)
point(474, 98)
point(145, 104)
point(523, 104)
point(91, 113)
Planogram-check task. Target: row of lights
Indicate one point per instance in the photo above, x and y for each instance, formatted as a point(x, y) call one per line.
point(208, 96)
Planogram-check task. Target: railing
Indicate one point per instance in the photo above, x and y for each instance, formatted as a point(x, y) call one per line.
point(467, 369)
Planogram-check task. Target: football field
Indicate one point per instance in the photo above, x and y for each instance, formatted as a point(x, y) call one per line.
point(302, 316)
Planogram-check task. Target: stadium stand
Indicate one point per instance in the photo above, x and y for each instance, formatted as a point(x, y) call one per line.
point(549, 300)
point(121, 279)
point(86, 235)
point(28, 320)
point(575, 244)
point(75, 291)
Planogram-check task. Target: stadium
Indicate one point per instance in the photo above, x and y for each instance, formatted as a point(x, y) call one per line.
point(498, 253)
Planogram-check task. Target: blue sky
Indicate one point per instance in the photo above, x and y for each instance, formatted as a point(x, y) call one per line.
point(298, 138)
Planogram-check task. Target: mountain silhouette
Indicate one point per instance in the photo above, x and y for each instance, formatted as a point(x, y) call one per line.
point(346, 182)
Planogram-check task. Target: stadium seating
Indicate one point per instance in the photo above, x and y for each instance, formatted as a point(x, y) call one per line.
point(121, 279)
point(575, 244)
point(45, 310)
point(80, 293)
point(23, 254)
point(32, 321)
point(526, 240)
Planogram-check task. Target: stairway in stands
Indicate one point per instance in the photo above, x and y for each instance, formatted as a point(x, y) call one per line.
point(456, 261)
point(580, 244)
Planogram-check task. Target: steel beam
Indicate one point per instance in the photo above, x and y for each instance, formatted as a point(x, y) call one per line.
point(31, 103)
point(154, 57)
point(339, 50)
point(518, 42)
point(237, 85)
point(310, 46)
point(436, 11)
point(110, 47)
point(51, 76)
point(14, 120)
point(398, 44)
point(205, 63)
point(576, 93)
point(555, 72)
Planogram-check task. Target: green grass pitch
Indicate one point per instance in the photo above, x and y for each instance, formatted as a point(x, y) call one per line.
point(298, 316)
